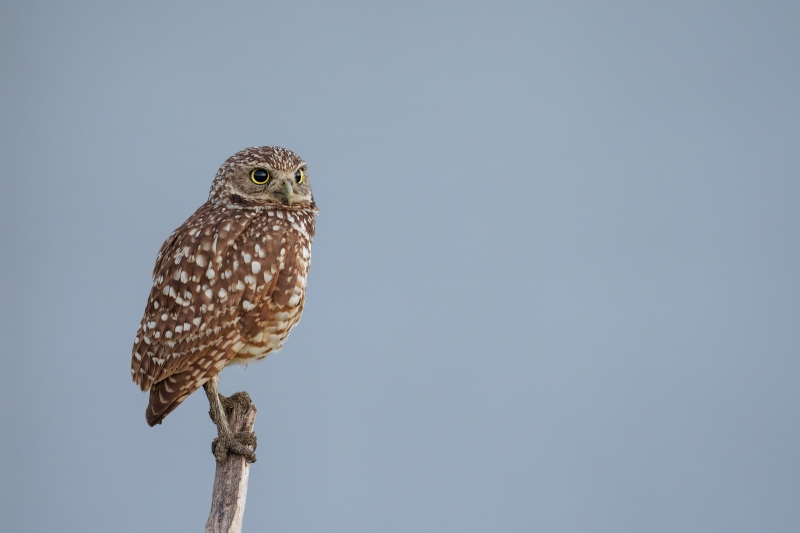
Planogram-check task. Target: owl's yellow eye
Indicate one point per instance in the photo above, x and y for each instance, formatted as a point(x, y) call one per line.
point(259, 176)
point(300, 175)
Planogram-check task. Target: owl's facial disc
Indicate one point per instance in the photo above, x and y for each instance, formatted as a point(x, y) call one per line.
point(262, 185)
point(263, 176)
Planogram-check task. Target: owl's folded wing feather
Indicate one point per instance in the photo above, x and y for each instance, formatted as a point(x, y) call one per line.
point(194, 295)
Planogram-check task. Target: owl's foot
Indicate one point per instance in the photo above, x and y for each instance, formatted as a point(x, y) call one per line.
point(229, 402)
point(222, 414)
point(237, 398)
point(243, 444)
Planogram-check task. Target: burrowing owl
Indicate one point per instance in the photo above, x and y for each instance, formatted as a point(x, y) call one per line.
point(229, 284)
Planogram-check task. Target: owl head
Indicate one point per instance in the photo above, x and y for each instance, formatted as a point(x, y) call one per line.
point(263, 176)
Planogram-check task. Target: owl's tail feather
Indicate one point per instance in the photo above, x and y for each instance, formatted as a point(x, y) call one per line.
point(168, 394)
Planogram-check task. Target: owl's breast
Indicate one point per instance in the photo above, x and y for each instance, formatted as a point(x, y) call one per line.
point(267, 324)
point(272, 337)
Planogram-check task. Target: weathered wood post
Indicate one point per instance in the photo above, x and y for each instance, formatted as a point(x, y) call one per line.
point(230, 480)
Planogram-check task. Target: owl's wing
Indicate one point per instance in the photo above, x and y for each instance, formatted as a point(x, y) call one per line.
point(190, 304)
point(167, 393)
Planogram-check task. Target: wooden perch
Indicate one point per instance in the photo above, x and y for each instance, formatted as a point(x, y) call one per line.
point(230, 481)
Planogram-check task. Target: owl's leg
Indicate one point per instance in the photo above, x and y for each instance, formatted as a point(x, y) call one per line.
point(243, 443)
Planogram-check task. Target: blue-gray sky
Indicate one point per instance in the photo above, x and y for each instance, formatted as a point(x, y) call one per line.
point(554, 285)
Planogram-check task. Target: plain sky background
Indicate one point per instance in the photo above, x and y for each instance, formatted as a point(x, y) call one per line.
point(555, 285)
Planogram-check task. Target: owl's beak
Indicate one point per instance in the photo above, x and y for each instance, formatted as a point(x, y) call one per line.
point(288, 192)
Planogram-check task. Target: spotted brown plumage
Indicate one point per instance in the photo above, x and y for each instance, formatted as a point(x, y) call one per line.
point(229, 283)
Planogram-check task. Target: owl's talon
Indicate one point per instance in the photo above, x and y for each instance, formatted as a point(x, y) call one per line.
point(243, 444)
point(247, 438)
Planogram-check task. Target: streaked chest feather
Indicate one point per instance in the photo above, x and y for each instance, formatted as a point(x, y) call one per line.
point(267, 325)
point(275, 329)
